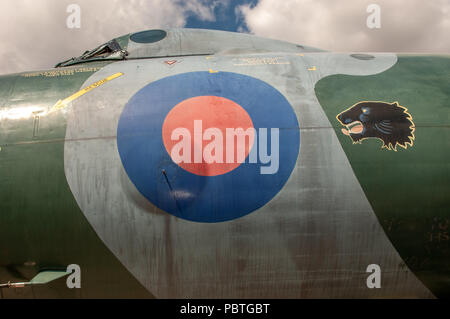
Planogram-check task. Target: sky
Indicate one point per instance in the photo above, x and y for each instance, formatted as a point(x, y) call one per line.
point(34, 33)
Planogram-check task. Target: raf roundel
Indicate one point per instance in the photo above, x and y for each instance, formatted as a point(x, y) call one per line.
point(208, 147)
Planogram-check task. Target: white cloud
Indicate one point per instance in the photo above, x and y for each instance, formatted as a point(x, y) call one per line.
point(406, 25)
point(34, 35)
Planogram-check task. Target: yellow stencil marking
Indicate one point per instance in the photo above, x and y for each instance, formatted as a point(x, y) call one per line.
point(260, 61)
point(312, 69)
point(212, 71)
point(57, 73)
point(63, 103)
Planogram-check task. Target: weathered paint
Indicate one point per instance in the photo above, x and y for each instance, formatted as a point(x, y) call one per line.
point(41, 225)
point(408, 189)
point(314, 239)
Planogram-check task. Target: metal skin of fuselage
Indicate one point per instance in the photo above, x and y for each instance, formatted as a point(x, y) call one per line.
point(66, 198)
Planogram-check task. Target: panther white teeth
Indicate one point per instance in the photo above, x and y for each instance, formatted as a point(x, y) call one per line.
point(353, 128)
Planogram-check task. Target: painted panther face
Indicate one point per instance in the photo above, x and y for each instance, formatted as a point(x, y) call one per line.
point(388, 122)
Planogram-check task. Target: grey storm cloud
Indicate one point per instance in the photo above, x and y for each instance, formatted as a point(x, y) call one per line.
point(406, 25)
point(34, 34)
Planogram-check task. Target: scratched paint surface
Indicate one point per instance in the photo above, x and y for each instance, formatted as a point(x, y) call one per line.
point(314, 239)
point(408, 189)
point(41, 225)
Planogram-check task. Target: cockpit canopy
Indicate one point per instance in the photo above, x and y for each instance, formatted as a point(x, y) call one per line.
point(111, 50)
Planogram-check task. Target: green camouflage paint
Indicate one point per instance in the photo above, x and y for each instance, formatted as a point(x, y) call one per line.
point(39, 218)
point(408, 189)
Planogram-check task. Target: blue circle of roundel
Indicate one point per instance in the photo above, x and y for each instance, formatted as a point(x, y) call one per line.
point(205, 198)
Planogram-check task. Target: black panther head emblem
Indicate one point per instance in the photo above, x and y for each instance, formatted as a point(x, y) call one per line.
point(388, 122)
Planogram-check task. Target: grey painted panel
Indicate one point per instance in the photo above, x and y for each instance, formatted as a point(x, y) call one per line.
point(314, 239)
point(198, 41)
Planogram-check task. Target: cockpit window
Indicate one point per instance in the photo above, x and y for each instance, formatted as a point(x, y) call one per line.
point(149, 36)
point(108, 51)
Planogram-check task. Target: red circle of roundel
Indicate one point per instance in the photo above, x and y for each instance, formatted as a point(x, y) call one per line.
point(195, 135)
